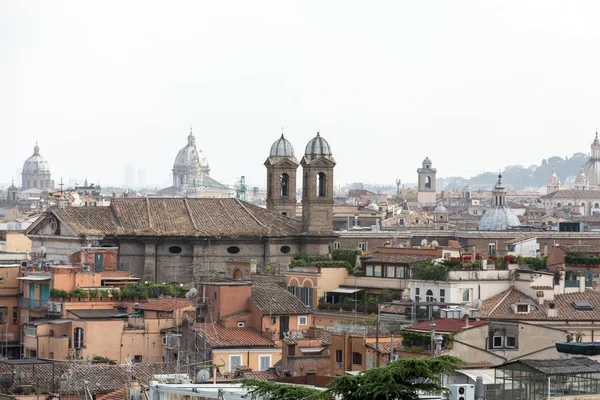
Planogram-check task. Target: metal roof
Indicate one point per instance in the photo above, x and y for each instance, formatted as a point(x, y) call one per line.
point(35, 278)
point(95, 313)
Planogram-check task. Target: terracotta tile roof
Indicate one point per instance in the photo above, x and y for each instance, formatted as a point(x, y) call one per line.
point(385, 345)
point(218, 336)
point(268, 375)
point(323, 336)
point(499, 307)
point(118, 394)
point(479, 364)
point(396, 258)
point(446, 325)
point(236, 315)
point(176, 216)
point(270, 298)
point(580, 248)
point(165, 304)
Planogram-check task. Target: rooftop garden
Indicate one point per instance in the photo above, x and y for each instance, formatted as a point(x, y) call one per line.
point(582, 259)
point(339, 258)
point(137, 291)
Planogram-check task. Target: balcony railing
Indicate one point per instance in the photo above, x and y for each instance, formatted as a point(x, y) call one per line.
point(33, 304)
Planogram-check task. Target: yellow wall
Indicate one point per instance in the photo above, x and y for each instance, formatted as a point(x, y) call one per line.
point(17, 242)
point(249, 357)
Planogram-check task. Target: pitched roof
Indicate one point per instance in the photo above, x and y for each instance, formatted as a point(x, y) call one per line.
point(165, 304)
point(385, 346)
point(573, 194)
point(217, 336)
point(580, 248)
point(563, 366)
point(446, 325)
point(270, 298)
point(176, 217)
point(499, 307)
point(118, 394)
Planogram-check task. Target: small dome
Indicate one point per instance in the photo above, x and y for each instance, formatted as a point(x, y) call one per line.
point(36, 163)
point(282, 148)
point(372, 207)
point(190, 156)
point(553, 180)
point(318, 147)
point(440, 209)
point(427, 160)
point(581, 179)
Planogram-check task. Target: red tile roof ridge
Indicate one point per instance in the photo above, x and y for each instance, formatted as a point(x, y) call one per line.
point(508, 292)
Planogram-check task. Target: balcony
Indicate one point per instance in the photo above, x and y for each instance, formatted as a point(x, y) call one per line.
point(33, 304)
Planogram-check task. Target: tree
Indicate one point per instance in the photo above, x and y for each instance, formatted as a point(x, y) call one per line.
point(578, 336)
point(402, 379)
point(398, 380)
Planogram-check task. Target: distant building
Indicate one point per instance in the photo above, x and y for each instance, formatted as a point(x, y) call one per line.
point(592, 167)
point(426, 195)
point(500, 217)
point(36, 172)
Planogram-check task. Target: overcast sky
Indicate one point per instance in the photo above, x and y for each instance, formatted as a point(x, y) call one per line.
point(474, 85)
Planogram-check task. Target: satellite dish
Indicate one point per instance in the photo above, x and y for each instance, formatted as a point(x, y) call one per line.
point(191, 294)
point(434, 243)
point(203, 375)
point(424, 242)
point(477, 304)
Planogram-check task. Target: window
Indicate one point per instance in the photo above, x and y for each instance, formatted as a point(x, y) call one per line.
point(302, 320)
point(233, 249)
point(492, 249)
point(401, 222)
point(15, 314)
point(241, 324)
point(522, 308)
point(285, 183)
point(291, 350)
point(321, 184)
point(264, 363)
point(466, 295)
point(30, 331)
point(510, 342)
point(429, 296)
point(369, 270)
point(399, 272)
point(175, 249)
point(51, 355)
point(377, 271)
point(356, 358)
point(273, 320)
point(337, 245)
point(234, 361)
point(363, 246)
point(78, 334)
point(417, 293)
point(3, 315)
point(305, 294)
point(338, 356)
point(390, 271)
point(497, 342)
point(442, 295)
point(137, 359)
point(285, 249)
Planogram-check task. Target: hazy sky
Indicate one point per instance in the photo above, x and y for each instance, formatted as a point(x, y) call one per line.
point(474, 85)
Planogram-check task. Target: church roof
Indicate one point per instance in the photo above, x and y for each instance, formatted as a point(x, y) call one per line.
point(174, 217)
point(573, 194)
point(36, 163)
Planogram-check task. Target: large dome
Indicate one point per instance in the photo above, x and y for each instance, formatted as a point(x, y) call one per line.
point(190, 156)
point(36, 163)
point(498, 219)
point(318, 147)
point(282, 148)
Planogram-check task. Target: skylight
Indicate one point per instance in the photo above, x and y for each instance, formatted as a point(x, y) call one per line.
point(582, 305)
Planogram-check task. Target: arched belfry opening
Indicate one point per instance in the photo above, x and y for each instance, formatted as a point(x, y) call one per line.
point(284, 181)
point(321, 184)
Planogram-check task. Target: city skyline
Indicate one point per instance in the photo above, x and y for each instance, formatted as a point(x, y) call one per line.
point(474, 87)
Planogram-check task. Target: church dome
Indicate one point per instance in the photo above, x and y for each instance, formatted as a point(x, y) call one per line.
point(553, 180)
point(190, 156)
point(440, 209)
point(318, 147)
point(498, 219)
point(282, 148)
point(36, 164)
point(427, 160)
point(581, 182)
point(372, 207)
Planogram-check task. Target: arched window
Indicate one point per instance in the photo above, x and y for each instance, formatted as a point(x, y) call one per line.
point(429, 296)
point(428, 182)
point(597, 205)
point(285, 185)
point(558, 204)
point(321, 182)
point(181, 180)
point(78, 339)
point(269, 184)
point(570, 204)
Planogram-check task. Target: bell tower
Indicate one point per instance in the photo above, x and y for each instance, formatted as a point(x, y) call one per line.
point(317, 186)
point(426, 195)
point(281, 178)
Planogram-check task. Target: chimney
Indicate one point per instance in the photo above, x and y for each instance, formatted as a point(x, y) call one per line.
point(581, 281)
point(552, 311)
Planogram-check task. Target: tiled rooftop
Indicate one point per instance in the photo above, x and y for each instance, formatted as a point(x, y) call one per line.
point(446, 325)
point(395, 258)
point(220, 337)
point(270, 298)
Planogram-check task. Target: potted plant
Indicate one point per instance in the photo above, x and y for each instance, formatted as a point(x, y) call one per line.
point(94, 293)
point(104, 294)
point(115, 293)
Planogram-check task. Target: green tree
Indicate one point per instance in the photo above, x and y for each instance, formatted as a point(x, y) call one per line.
point(280, 391)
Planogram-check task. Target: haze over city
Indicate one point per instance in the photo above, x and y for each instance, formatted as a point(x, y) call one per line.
point(473, 85)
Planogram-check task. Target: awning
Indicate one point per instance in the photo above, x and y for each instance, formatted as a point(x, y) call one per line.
point(344, 291)
point(486, 373)
point(119, 278)
point(311, 349)
point(35, 278)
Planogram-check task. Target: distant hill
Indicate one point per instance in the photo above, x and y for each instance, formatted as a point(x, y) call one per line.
point(519, 177)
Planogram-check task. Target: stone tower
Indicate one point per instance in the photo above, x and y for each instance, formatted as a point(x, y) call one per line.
point(12, 193)
point(317, 186)
point(553, 183)
point(281, 178)
point(426, 195)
